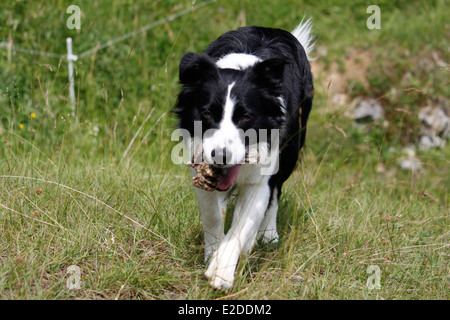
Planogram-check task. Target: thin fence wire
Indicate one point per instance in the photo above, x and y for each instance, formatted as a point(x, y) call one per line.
point(11, 47)
point(145, 28)
point(70, 57)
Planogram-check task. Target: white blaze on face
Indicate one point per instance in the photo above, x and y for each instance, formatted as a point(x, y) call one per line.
point(227, 136)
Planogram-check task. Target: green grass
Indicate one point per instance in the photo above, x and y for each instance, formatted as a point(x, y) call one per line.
point(100, 192)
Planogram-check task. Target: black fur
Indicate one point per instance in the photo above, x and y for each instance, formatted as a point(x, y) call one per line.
point(284, 71)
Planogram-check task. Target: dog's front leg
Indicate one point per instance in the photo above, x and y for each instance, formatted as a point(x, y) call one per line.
point(248, 215)
point(211, 205)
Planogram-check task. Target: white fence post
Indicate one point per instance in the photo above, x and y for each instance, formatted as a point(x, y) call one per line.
point(70, 58)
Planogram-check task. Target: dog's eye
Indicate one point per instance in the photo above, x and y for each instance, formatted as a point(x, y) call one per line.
point(207, 115)
point(245, 117)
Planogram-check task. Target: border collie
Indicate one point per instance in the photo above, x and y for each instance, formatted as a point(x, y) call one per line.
point(250, 79)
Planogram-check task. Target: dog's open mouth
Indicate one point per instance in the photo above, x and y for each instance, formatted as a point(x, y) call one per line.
point(227, 178)
point(212, 178)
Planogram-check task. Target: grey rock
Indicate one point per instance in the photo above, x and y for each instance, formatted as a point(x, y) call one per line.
point(410, 164)
point(435, 118)
point(368, 110)
point(430, 140)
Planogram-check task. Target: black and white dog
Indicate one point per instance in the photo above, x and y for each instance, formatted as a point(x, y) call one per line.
point(252, 79)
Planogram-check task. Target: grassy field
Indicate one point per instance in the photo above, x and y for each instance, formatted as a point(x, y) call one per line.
point(100, 192)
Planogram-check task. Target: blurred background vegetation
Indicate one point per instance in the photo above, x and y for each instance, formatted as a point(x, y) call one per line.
point(117, 87)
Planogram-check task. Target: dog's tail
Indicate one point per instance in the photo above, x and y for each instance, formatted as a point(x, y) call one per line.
point(304, 36)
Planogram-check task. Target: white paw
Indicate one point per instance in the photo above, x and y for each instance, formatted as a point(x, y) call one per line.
point(221, 284)
point(221, 278)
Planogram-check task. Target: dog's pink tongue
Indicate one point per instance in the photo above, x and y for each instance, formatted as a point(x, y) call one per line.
point(228, 179)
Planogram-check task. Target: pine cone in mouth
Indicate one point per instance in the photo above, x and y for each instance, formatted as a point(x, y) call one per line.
point(207, 177)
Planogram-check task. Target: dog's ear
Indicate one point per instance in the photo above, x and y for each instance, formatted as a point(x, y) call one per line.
point(268, 73)
point(196, 68)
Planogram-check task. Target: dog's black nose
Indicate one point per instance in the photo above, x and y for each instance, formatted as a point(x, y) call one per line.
point(221, 156)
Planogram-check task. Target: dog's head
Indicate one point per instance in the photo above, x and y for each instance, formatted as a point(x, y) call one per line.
point(233, 106)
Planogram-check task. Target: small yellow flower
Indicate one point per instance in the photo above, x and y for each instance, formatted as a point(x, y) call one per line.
point(33, 115)
point(20, 126)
